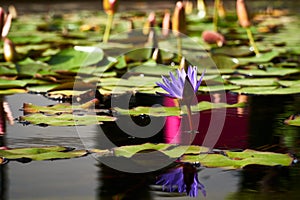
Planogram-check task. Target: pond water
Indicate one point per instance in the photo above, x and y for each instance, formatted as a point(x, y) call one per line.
point(260, 124)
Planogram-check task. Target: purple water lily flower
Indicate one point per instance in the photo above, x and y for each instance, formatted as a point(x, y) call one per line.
point(176, 86)
point(182, 179)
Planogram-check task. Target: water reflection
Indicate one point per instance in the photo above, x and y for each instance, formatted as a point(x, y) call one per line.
point(3, 174)
point(183, 178)
point(234, 133)
point(115, 185)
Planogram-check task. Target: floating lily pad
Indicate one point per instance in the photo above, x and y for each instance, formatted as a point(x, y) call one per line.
point(70, 58)
point(271, 71)
point(42, 153)
point(254, 81)
point(64, 119)
point(240, 159)
point(6, 84)
point(233, 51)
point(171, 150)
point(262, 58)
point(174, 111)
point(12, 91)
point(216, 88)
point(293, 121)
point(269, 90)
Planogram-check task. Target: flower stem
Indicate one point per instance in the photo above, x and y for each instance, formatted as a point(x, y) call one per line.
point(252, 42)
point(189, 114)
point(191, 132)
point(216, 15)
point(108, 27)
point(179, 48)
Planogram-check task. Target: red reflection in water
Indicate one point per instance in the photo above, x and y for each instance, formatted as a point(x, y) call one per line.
point(235, 130)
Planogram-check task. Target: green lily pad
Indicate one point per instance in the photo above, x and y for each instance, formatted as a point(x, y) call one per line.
point(293, 121)
point(152, 68)
point(55, 109)
point(174, 111)
point(254, 81)
point(271, 71)
point(12, 91)
point(76, 57)
point(289, 83)
point(269, 90)
point(6, 84)
point(225, 62)
point(235, 160)
point(216, 88)
point(41, 88)
point(42, 153)
point(171, 150)
point(232, 51)
point(64, 119)
point(262, 58)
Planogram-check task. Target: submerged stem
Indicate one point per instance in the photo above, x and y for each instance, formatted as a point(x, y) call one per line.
point(252, 42)
point(108, 27)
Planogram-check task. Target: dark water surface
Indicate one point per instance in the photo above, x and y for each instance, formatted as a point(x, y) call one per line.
point(85, 178)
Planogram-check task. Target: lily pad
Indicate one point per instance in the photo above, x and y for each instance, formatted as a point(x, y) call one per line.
point(232, 51)
point(64, 119)
point(254, 81)
point(269, 90)
point(174, 111)
point(216, 88)
point(271, 71)
point(70, 58)
point(236, 160)
point(6, 84)
point(171, 150)
point(293, 121)
point(262, 58)
point(42, 153)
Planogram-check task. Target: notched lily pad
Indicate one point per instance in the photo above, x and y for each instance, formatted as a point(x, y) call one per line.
point(293, 120)
point(174, 111)
point(254, 81)
point(171, 150)
point(235, 160)
point(64, 119)
point(41, 153)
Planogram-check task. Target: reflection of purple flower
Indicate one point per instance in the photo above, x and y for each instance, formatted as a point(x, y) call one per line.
point(182, 179)
point(175, 86)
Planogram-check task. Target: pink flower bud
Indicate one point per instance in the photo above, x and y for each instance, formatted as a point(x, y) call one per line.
point(242, 13)
point(178, 19)
point(212, 37)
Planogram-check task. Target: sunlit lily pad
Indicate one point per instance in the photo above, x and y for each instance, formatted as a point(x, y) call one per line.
point(174, 111)
point(42, 153)
point(216, 88)
point(240, 159)
point(293, 121)
point(70, 58)
point(12, 91)
point(269, 90)
point(262, 58)
point(271, 71)
point(171, 150)
point(64, 119)
point(233, 51)
point(5, 84)
point(254, 81)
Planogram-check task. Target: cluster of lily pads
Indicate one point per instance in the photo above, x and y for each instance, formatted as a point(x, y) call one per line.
point(58, 51)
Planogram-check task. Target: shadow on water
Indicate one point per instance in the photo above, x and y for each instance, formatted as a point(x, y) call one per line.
point(259, 125)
